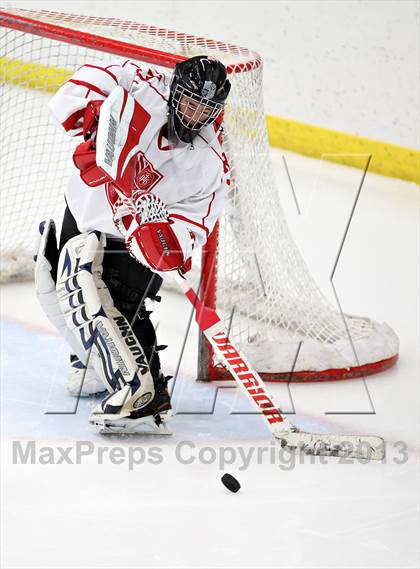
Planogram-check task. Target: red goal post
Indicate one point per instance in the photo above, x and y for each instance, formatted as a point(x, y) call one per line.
point(272, 306)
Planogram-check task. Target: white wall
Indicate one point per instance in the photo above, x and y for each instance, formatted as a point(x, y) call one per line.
point(349, 65)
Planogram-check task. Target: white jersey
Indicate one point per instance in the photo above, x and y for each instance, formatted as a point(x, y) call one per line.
point(191, 180)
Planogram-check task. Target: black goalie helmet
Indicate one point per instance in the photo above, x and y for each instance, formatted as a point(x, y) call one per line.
point(199, 89)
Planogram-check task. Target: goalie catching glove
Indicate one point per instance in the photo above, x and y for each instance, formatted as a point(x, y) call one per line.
point(151, 236)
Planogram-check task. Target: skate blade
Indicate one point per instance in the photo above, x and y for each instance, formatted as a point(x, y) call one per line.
point(143, 426)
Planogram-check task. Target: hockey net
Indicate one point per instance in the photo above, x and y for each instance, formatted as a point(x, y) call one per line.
point(273, 307)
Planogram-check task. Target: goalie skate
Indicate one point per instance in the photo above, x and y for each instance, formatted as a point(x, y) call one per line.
point(147, 420)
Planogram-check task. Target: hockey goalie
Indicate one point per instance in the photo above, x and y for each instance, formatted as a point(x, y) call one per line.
point(121, 233)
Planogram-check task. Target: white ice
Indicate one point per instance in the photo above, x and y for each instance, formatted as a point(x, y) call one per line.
point(302, 513)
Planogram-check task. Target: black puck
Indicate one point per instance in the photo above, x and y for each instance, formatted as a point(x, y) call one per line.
point(230, 482)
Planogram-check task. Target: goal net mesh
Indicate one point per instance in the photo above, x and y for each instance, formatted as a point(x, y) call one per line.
point(273, 307)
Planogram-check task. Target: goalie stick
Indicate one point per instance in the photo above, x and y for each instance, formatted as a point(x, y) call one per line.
point(289, 436)
point(117, 145)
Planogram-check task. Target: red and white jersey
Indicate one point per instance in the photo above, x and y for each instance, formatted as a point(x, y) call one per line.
point(191, 180)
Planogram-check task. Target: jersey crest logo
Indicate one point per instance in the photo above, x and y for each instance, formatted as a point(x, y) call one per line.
point(146, 176)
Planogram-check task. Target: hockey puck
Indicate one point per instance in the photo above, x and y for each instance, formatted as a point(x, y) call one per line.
point(230, 482)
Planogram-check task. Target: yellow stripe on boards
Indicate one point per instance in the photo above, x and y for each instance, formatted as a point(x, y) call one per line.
point(33, 75)
point(351, 150)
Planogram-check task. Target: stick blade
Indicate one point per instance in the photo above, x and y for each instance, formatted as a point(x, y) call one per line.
point(348, 446)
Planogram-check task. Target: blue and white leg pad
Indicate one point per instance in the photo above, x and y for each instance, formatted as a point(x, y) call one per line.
point(101, 332)
point(45, 266)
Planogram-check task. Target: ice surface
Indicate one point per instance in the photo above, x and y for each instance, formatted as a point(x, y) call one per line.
point(289, 512)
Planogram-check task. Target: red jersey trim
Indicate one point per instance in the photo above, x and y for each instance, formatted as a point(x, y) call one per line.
point(160, 141)
point(89, 86)
point(101, 69)
point(148, 83)
point(183, 218)
point(208, 210)
point(70, 122)
point(215, 151)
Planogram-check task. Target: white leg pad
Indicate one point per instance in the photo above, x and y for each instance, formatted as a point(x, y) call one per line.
point(102, 333)
point(46, 289)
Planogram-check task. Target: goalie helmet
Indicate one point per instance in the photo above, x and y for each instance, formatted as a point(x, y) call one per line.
point(198, 91)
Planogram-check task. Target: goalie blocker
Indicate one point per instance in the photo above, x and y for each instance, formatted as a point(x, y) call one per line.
point(151, 236)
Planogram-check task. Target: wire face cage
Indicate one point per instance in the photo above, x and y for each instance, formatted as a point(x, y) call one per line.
point(272, 307)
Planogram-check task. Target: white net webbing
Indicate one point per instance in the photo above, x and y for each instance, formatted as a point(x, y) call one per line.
point(267, 288)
